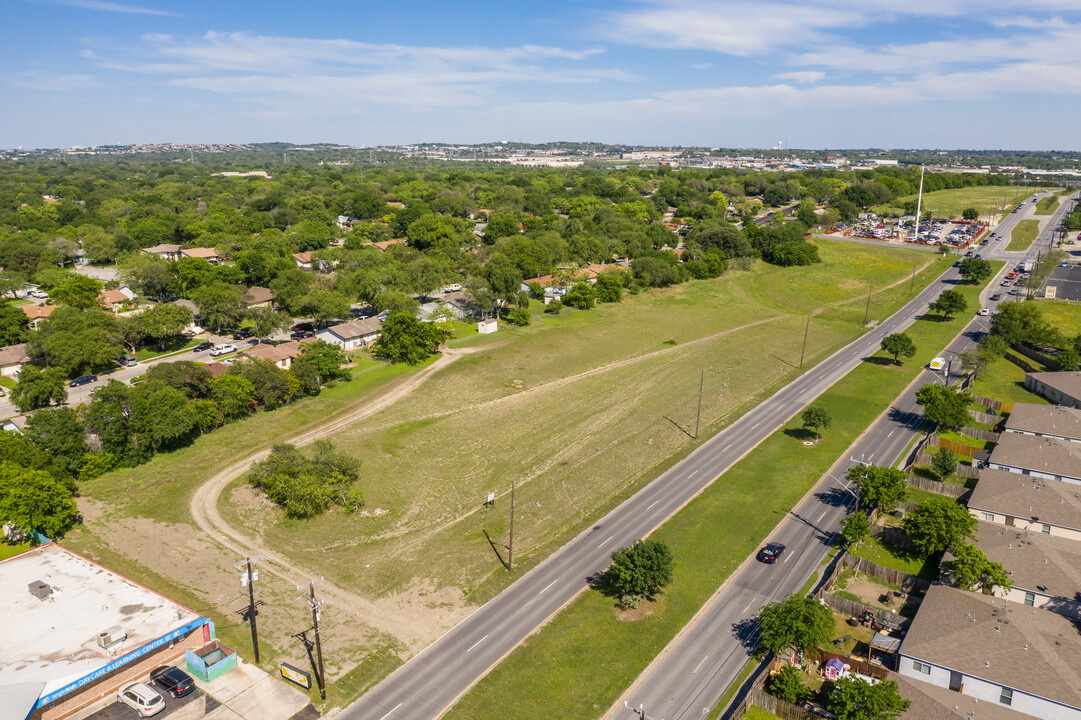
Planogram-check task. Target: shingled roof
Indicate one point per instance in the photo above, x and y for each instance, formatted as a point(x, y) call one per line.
point(1050, 420)
point(1023, 496)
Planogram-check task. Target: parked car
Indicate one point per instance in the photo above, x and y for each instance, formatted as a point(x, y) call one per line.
point(142, 698)
point(453, 287)
point(304, 326)
point(224, 349)
point(203, 346)
point(127, 361)
point(770, 553)
point(301, 335)
point(82, 380)
point(243, 333)
point(40, 294)
point(173, 680)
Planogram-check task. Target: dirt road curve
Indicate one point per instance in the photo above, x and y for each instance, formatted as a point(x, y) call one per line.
point(204, 509)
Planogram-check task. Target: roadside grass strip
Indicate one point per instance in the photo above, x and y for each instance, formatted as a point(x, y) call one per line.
point(1023, 234)
point(581, 661)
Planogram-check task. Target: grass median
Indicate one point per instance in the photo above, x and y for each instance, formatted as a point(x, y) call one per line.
point(1023, 234)
point(580, 663)
point(1047, 205)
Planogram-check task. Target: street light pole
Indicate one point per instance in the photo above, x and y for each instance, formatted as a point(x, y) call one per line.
point(510, 546)
point(248, 577)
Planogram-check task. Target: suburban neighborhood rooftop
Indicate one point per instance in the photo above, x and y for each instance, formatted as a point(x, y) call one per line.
point(1045, 420)
point(1068, 383)
point(1039, 454)
point(1026, 497)
point(1034, 560)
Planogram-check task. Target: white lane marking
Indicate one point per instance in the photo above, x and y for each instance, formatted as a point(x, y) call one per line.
point(801, 392)
point(603, 543)
point(756, 425)
point(891, 433)
point(652, 504)
point(726, 447)
point(548, 586)
point(699, 665)
point(821, 516)
point(870, 457)
point(391, 712)
point(478, 642)
point(693, 474)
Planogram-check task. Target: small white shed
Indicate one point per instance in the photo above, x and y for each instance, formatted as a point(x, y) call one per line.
point(487, 327)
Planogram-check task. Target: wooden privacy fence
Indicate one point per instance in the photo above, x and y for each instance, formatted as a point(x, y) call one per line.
point(893, 536)
point(894, 577)
point(1033, 354)
point(856, 609)
point(984, 417)
point(997, 406)
point(985, 435)
point(780, 708)
point(861, 666)
point(965, 471)
point(937, 487)
point(1023, 364)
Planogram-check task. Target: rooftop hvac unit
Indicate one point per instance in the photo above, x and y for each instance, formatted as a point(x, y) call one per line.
point(111, 637)
point(40, 590)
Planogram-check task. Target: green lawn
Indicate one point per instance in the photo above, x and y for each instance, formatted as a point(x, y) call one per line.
point(1005, 381)
point(951, 203)
point(580, 662)
point(7, 549)
point(1065, 316)
point(756, 713)
point(1047, 205)
point(1023, 234)
point(175, 345)
point(894, 557)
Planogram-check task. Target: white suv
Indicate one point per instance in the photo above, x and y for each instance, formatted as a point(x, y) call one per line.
point(142, 698)
point(222, 349)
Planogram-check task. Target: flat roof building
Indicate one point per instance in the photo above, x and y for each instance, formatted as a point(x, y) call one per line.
point(77, 632)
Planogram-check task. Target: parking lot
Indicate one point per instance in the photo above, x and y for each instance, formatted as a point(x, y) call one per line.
point(1067, 283)
point(194, 705)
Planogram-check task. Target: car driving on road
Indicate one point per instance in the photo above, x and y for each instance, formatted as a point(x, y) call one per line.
point(82, 380)
point(770, 553)
point(202, 346)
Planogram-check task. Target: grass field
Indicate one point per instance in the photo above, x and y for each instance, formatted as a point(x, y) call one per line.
point(757, 713)
point(605, 400)
point(1023, 234)
point(893, 557)
point(1065, 316)
point(579, 663)
point(989, 200)
point(1047, 205)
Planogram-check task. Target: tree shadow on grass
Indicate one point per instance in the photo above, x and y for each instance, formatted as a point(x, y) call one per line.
point(933, 318)
point(877, 360)
point(801, 434)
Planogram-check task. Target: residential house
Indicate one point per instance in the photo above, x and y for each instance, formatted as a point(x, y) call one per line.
point(930, 702)
point(193, 327)
point(305, 261)
point(12, 359)
point(458, 304)
point(384, 244)
point(352, 335)
point(202, 253)
point(216, 369)
point(1027, 503)
point(114, 299)
point(1040, 457)
point(256, 296)
point(167, 251)
point(281, 355)
point(1000, 653)
point(37, 313)
point(1061, 388)
point(1051, 421)
point(1045, 571)
point(16, 424)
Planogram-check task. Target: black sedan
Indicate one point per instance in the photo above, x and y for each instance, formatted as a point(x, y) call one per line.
point(301, 334)
point(203, 346)
point(770, 553)
point(173, 680)
point(83, 380)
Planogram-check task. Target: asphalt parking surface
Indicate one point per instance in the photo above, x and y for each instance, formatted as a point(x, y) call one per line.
point(120, 711)
point(1067, 283)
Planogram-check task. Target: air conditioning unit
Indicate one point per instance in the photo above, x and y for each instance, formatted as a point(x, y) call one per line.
point(112, 637)
point(40, 590)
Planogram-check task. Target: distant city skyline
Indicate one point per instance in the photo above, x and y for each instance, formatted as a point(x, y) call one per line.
point(821, 74)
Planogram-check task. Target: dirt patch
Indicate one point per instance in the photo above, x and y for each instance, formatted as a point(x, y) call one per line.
point(870, 593)
point(645, 609)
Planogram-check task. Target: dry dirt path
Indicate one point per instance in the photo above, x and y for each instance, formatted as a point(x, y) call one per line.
point(204, 510)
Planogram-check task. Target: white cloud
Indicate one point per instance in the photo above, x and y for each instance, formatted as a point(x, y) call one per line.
point(806, 77)
point(117, 8)
point(53, 82)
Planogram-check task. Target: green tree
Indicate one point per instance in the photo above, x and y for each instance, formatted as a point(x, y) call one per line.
point(403, 338)
point(971, 214)
point(949, 303)
point(163, 322)
point(78, 291)
point(800, 621)
point(816, 418)
point(220, 305)
point(975, 270)
point(937, 524)
point(323, 306)
point(266, 321)
point(149, 275)
point(853, 698)
point(272, 384)
point(38, 387)
point(581, 296)
point(99, 246)
point(59, 432)
point(164, 417)
point(787, 685)
point(305, 487)
point(13, 325)
point(35, 500)
point(898, 345)
point(327, 360)
point(609, 288)
point(943, 405)
point(944, 463)
point(77, 341)
point(855, 527)
point(977, 359)
point(640, 570)
point(971, 570)
point(188, 377)
point(881, 487)
point(235, 396)
point(1020, 322)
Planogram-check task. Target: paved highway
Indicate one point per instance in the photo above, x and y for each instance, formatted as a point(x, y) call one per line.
point(431, 682)
point(688, 678)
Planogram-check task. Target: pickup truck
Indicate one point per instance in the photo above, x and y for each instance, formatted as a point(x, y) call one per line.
point(220, 350)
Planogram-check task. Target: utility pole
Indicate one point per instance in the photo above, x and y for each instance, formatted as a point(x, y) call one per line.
point(919, 205)
point(701, 384)
point(867, 312)
point(315, 605)
point(510, 546)
point(806, 330)
point(248, 578)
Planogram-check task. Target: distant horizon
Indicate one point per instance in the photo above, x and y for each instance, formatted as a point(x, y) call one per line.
point(839, 74)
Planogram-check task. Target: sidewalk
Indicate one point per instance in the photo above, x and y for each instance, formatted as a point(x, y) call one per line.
point(248, 692)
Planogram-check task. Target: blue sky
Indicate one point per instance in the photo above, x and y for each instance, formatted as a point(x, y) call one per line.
point(815, 74)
